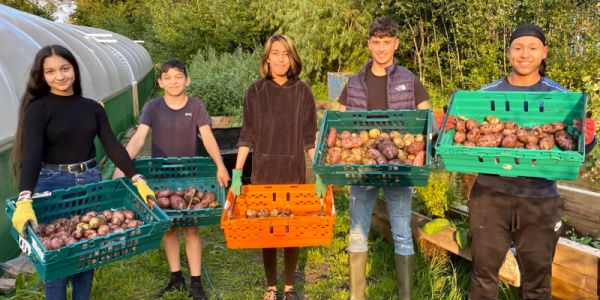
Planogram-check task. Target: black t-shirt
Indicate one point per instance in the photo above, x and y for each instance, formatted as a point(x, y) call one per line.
point(377, 92)
point(174, 131)
point(61, 130)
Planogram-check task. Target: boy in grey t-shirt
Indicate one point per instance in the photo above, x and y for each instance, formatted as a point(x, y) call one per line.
point(175, 120)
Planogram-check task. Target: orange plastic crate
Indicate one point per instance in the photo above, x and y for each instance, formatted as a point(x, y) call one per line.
point(300, 230)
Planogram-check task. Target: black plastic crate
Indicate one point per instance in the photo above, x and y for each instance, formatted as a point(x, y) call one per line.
point(227, 138)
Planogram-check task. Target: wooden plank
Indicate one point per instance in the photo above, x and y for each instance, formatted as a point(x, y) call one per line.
point(564, 290)
point(574, 278)
point(583, 259)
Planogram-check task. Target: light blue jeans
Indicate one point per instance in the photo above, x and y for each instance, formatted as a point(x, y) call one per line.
point(398, 201)
point(50, 180)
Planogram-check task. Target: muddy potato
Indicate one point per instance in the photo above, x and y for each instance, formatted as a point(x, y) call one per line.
point(377, 156)
point(103, 230)
point(370, 144)
point(368, 161)
point(385, 135)
point(419, 138)
point(394, 161)
point(547, 142)
point(356, 141)
point(129, 214)
point(262, 213)
point(416, 147)
point(522, 134)
point(117, 218)
point(558, 126)
point(364, 136)
point(469, 144)
point(496, 128)
point(214, 204)
point(532, 146)
point(394, 134)
point(345, 134)
point(95, 222)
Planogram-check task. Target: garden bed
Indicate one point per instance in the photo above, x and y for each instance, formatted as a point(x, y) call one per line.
point(575, 270)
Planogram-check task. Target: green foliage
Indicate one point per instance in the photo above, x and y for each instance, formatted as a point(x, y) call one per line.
point(175, 29)
point(439, 193)
point(330, 35)
point(436, 225)
point(582, 239)
point(31, 7)
point(221, 80)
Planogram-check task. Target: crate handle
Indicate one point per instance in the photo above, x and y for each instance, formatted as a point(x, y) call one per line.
point(172, 166)
point(378, 117)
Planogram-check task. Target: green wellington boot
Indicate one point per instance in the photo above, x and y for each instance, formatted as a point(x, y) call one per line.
point(405, 275)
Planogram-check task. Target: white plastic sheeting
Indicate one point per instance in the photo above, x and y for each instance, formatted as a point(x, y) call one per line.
point(109, 62)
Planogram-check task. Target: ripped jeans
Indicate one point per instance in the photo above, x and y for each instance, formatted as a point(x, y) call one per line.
point(398, 201)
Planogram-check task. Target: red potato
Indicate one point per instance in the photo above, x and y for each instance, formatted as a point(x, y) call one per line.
point(377, 156)
point(419, 159)
point(417, 147)
point(200, 194)
point(107, 214)
point(347, 142)
point(103, 230)
point(356, 141)
point(331, 137)
point(461, 126)
point(473, 135)
point(210, 197)
point(214, 204)
point(90, 233)
point(164, 193)
point(558, 126)
point(496, 128)
point(492, 120)
point(471, 124)
point(191, 191)
point(394, 161)
point(565, 141)
point(532, 146)
point(163, 202)
point(509, 141)
point(129, 214)
point(469, 144)
point(117, 218)
point(345, 134)
point(178, 203)
point(459, 137)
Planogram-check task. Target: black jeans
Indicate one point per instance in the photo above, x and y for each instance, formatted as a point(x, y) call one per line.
point(533, 225)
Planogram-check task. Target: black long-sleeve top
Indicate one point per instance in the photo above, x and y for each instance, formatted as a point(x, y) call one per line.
point(61, 130)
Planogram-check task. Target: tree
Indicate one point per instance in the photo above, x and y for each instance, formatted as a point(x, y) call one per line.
point(31, 7)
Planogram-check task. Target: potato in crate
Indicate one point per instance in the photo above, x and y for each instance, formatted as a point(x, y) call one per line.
point(375, 148)
point(278, 215)
point(186, 188)
point(84, 227)
point(514, 134)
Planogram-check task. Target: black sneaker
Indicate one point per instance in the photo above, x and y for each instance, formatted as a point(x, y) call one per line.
point(197, 292)
point(173, 285)
point(290, 295)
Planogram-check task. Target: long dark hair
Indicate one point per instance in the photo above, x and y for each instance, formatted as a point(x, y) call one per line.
point(37, 87)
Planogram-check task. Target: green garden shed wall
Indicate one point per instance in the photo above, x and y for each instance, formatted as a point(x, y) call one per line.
point(115, 71)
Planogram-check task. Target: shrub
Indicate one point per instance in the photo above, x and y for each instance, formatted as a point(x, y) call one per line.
point(221, 80)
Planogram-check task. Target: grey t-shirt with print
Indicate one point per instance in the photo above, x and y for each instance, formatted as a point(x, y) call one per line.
point(174, 132)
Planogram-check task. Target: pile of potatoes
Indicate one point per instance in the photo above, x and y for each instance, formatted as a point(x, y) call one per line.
point(190, 199)
point(375, 147)
point(66, 231)
point(494, 133)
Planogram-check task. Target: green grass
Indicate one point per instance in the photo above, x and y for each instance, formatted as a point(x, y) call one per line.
point(322, 271)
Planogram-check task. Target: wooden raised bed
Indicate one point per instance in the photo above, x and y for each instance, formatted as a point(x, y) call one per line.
point(575, 270)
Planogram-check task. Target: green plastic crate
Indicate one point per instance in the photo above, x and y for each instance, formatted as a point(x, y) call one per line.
point(92, 253)
point(183, 172)
point(526, 109)
point(410, 121)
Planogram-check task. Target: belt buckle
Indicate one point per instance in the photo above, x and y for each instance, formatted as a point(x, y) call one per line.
point(80, 166)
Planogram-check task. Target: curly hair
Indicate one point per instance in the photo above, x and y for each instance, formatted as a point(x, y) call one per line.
point(383, 27)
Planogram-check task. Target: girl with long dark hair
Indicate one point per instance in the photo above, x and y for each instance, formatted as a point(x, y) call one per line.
point(54, 146)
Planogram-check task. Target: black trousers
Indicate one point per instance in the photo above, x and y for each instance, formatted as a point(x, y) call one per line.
point(533, 225)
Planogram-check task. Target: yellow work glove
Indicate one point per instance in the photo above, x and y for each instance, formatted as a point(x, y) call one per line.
point(145, 191)
point(24, 215)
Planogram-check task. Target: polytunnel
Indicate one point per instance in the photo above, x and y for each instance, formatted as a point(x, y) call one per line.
point(115, 71)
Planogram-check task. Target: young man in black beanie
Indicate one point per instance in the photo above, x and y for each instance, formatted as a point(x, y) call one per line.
point(524, 211)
